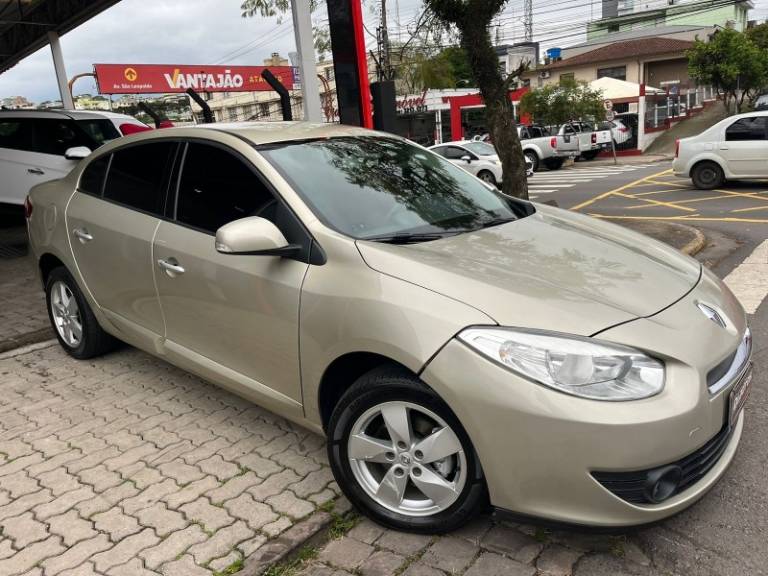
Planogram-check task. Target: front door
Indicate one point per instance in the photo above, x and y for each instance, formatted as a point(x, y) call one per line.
point(111, 225)
point(233, 318)
point(745, 147)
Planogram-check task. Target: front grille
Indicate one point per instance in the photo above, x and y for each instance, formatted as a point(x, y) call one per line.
point(631, 486)
point(725, 372)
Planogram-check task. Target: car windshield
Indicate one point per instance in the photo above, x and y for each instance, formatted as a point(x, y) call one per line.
point(480, 148)
point(100, 131)
point(378, 188)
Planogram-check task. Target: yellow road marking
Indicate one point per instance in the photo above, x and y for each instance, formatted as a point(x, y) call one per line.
point(678, 202)
point(616, 190)
point(764, 207)
point(693, 218)
point(655, 202)
point(657, 192)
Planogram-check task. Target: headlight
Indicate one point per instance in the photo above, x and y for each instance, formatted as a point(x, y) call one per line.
point(572, 364)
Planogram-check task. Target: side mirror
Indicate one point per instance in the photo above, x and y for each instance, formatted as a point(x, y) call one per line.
point(77, 153)
point(253, 236)
point(467, 158)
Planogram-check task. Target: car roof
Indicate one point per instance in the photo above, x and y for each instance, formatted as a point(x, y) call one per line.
point(455, 143)
point(57, 113)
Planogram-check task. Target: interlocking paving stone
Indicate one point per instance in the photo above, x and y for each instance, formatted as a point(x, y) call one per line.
point(490, 564)
point(346, 553)
point(450, 554)
point(126, 465)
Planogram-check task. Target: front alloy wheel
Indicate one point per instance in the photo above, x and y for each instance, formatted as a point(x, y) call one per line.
point(402, 457)
point(66, 314)
point(407, 459)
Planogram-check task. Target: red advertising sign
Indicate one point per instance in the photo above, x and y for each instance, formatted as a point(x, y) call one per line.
point(169, 78)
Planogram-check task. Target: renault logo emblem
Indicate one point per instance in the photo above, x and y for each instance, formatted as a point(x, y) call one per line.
point(711, 313)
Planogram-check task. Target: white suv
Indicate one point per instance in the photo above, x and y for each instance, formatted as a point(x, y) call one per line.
point(41, 145)
point(733, 149)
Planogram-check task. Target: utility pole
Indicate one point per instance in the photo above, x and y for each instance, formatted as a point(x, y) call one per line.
point(385, 63)
point(528, 20)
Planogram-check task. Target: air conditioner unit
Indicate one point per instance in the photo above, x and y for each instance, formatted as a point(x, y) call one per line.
point(545, 74)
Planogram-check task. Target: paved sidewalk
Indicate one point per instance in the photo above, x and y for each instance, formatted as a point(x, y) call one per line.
point(23, 317)
point(125, 465)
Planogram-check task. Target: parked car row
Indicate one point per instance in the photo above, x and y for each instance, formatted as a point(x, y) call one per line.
point(34, 145)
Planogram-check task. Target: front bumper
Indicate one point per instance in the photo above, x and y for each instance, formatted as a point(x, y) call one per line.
point(539, 448)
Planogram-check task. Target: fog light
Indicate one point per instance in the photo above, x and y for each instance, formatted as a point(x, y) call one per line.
point(662, 483)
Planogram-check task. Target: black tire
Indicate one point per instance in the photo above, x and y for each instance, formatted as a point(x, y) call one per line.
point(707, 175)
point(591, 155)
point(534, 158)
point(387, 384)
point(94, 341)
point(487, 177)
point(554, 163)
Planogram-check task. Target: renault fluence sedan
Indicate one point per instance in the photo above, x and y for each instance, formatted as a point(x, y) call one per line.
point(458, 347)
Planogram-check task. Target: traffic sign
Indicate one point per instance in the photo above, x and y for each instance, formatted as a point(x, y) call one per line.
point(608, 104)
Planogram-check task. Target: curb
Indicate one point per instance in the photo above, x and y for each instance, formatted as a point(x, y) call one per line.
point(697, 244)
point(42, 335)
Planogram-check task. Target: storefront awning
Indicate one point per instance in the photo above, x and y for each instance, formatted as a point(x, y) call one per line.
point(615, 89)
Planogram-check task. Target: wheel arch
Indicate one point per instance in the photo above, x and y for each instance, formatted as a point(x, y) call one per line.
point(342, 373)
point(700, 159)
point(47, 263)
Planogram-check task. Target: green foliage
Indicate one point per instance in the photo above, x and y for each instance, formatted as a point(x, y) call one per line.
point(233, 568)
point(557, 104)
point(292, 567)
point(732, 63)
point(759, 35)
point(447, 69)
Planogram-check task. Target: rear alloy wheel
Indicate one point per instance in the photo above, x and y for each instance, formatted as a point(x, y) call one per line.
point(487, 177)
point(401, 456)
point(72, 319)
point(707, 175)
point(534, 158)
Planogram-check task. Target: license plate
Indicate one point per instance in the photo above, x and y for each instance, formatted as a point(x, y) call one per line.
point(738, 396)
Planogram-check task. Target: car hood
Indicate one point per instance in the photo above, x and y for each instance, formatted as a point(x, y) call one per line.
point(553, 270)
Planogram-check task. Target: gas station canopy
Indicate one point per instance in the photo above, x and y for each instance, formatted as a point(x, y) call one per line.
point(25, 24)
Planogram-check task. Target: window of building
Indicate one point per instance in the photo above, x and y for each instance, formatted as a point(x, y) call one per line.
point(137, 176)
point(618, 72)
point(264, 109)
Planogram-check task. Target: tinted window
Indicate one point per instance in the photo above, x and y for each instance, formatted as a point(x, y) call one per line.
point(217, 188)
point(16, 134)
point(137, 176)
point(480, 148)
point(99, 131)
point(455, 153)
point(440, 150)
point(747, 129)
point(57, 136)
point(536, 132)
point(92, 178)
point(369, 186)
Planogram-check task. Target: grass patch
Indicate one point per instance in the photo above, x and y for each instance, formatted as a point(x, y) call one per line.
point(303, 557)
point(617, 546)
point(340, 525)
point(236, 566)
point(541, 535)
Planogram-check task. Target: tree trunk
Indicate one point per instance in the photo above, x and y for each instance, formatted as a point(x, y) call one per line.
point(499, 112)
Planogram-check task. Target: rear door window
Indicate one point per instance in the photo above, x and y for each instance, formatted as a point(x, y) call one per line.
point(753, 128)
point(92, 178)
point(138, 176)
point(99, 130)
point(16, 134)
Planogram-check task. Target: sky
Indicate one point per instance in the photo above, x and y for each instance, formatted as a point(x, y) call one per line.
point(212, 32)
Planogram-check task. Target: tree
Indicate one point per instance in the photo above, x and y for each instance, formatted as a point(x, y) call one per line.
point(759, 35)
point(472, 19)
point(556, 104)
point(731, 63)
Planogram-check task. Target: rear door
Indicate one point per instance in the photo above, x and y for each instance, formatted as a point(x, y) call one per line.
point(16, 160)
point(745, 147)
point(111, 227)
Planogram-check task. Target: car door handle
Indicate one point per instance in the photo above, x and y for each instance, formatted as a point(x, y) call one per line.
point(82, 235)
point(35, 171)
point(171, 267)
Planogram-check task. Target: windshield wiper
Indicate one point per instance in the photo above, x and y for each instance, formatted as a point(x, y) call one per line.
point(496, 222)
point(404, 238)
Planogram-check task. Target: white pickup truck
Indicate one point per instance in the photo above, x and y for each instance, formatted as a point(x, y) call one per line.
point(543, 148)
point(591, 141)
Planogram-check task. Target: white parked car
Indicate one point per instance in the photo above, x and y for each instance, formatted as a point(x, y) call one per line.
point(733, 149)
point(478, 158)
point(620, 131)
point(41, 145)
